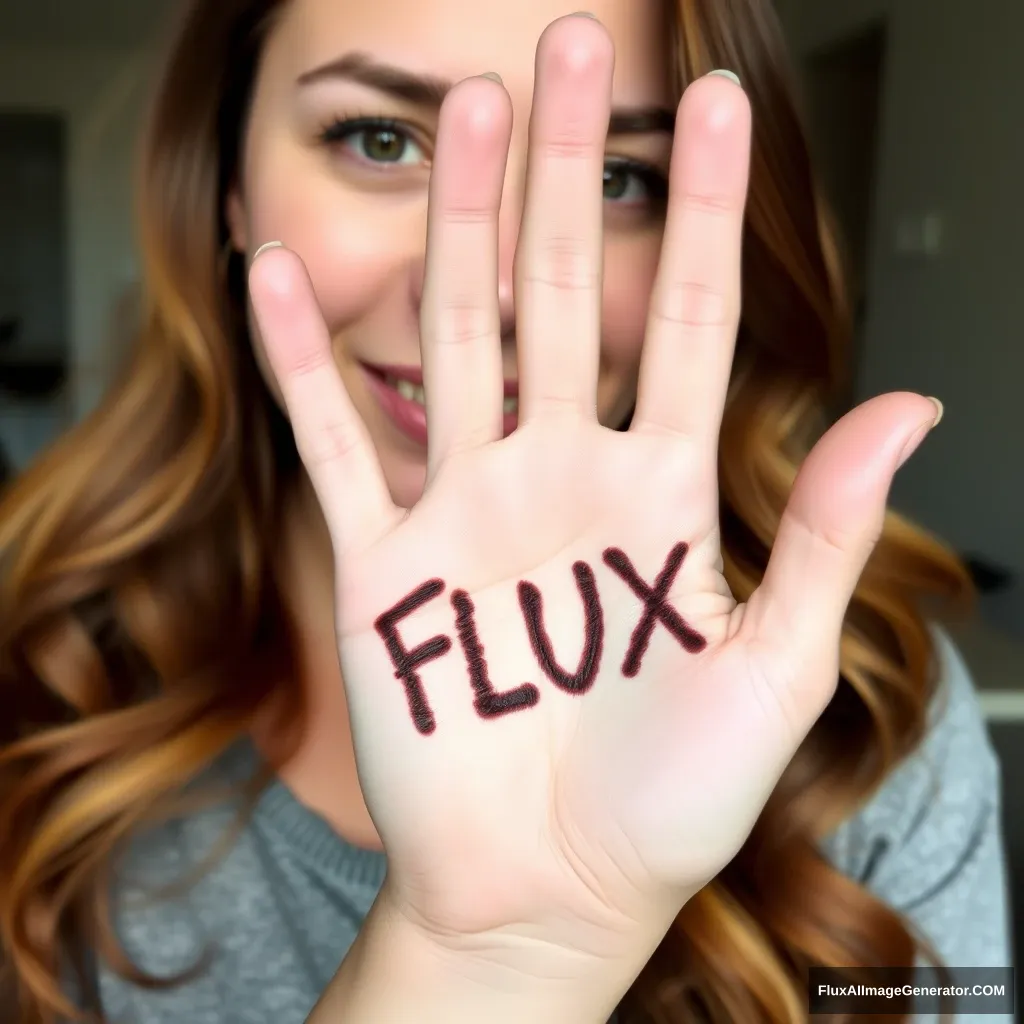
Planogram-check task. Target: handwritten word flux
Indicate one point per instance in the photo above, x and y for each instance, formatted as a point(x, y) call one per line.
point(490, 703)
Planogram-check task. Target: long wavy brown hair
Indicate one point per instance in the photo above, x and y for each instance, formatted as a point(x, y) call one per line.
point(136, 581)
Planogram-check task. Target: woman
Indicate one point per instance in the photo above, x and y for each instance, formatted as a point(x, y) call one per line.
point(677, 822)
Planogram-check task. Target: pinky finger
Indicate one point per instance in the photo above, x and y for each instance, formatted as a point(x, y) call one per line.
point(332, 439)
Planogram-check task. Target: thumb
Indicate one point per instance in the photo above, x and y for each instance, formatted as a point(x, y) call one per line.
point(832, 522)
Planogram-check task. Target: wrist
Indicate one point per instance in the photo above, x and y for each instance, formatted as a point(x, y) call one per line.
point(397, 972)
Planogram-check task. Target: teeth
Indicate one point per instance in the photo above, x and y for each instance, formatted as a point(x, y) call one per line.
point(409, 391)
point(415, 393)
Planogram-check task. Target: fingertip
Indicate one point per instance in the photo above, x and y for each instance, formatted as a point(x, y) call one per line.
point(275, 271)
point(478, 114)
point(264, 248)
point(724, 73)
point(918, 436)
point(577, 45)
point(915, 442)
point(714, 106)
point(263, 262)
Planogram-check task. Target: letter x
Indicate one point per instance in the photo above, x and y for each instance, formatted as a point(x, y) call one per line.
point(655, 607)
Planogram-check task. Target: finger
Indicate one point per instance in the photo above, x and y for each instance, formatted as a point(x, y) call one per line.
point(832, 522)
point(331, 438)
point(558, 260)
point(695, 303)
point(460, 323)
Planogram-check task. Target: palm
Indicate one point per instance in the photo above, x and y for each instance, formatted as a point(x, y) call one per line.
point(577, 757)
point(612, 775)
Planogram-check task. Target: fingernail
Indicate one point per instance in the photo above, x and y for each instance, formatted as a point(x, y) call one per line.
point(493, 76)
point(940, 411)
point(263, 248)
point(585, 14)
point(731, 75)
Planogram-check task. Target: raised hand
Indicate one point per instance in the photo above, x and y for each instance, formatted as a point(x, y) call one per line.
point(564, 723)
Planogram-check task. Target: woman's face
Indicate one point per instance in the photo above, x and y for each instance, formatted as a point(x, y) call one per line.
point(336, 164)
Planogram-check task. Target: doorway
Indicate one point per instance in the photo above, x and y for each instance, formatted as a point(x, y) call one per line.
point(844, 81)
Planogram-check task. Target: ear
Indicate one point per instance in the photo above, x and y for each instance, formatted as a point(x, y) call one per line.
point(234, 215)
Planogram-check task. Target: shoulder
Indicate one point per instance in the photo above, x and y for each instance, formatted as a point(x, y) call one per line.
point(955, 764)
point(929, 842)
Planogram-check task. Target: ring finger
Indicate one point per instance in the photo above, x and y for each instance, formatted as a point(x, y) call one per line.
point(695, 304)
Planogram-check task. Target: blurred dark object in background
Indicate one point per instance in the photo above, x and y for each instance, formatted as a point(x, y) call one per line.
point(27, 378)
point(988, 577)
point(6, 468)
point(32, 381)
point(9, 326)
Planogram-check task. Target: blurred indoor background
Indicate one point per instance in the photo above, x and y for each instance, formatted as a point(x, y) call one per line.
point(917, 111)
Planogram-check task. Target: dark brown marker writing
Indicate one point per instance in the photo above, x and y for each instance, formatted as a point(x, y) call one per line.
point(532, 605)
point(406, 662)
point(489, 703)
point(656, 608)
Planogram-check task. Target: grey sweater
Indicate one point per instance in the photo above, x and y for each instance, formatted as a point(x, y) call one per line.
point(282, 908)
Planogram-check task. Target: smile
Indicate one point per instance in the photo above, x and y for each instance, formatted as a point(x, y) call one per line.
point(416, 393)
point(401, 397)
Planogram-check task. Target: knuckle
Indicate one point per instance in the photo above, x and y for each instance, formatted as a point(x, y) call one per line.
point(571, 141)
point(466, 213)
point(463, 322)
point(306, 360)
point(554, 405)
point(715, 204)
point(565, 263)
point(841, 541)
point(332, 443)
point(694, 304)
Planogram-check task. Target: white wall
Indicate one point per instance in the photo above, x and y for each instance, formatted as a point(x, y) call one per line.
point(101, 92)
point(952, 142)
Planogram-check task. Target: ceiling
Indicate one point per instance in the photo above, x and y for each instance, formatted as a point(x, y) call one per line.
point(82, 22)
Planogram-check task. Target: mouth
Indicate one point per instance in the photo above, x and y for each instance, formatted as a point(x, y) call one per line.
point(408, 382)
point(400, 393)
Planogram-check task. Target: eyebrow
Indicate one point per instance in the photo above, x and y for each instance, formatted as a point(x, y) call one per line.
point(428, 91)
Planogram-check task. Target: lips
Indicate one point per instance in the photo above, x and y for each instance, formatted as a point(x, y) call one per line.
point(399, 391)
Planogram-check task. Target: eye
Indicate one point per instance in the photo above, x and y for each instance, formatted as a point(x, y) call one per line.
point(375, 141)
point(629, 183)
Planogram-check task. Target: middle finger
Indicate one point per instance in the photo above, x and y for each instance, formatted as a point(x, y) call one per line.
point(558, 261)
